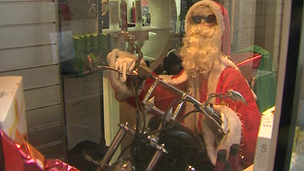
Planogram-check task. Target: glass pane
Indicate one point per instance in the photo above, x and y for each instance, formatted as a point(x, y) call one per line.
point(87, 66)
point(298, 149)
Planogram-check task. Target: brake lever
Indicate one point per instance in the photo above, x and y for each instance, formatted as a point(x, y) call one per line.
point(208, 107)
point(213, 115)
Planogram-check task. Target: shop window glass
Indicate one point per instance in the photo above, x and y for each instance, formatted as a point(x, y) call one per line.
point(72, 88)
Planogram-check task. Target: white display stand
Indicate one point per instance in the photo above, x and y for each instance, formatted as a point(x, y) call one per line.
point(111, 114)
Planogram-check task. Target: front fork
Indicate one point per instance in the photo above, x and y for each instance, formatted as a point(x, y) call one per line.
point(159, 151)
point(104, 163)
point(114, 145)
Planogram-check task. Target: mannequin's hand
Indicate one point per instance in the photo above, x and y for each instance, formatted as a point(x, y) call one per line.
point(231, 123)
point(125, 65)
point(229, 118)
point(122, 61)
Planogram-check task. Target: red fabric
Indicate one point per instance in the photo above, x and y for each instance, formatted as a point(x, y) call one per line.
point(226, 32)
point(249, 114)
point(229, 79)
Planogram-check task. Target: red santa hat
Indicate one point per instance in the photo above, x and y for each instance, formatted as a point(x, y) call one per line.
point(222, 19)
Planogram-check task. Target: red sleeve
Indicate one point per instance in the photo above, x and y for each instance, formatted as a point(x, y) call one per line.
point(249, 114)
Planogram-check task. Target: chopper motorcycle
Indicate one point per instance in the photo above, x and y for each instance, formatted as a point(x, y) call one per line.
point(163, 142)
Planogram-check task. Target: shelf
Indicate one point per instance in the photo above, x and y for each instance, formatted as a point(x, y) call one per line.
point(133, 29)
point(155, 40)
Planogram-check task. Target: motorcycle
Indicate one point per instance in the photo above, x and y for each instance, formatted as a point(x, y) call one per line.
point(163, 142)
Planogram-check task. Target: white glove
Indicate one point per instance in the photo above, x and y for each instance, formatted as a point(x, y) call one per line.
point(231, 123)
point(125, 65)
point(124, 62)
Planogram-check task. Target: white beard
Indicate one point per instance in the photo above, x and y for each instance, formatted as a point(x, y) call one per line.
point(201, 49)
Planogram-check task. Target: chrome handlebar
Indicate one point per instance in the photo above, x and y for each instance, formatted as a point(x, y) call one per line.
point(206, 108)
point(142, 72)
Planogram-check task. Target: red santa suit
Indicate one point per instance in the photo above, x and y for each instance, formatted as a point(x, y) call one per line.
point(222, 77)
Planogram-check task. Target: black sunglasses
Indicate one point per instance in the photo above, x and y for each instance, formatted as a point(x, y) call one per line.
point(208, 19)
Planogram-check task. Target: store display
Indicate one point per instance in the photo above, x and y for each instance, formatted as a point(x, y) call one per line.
point(203, 74)
point(93, 45)
point(103, 49)
point(78, 36)
point(133, 13)
point(264, 140)
point(114, 15)
point(12, 108)
point(18, 153)
point(123, 15)
point(89, 64)
point(138, 14)
point(155, 143)
point(104, 20)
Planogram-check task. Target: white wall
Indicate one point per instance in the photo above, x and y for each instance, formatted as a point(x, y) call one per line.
point(27, 49)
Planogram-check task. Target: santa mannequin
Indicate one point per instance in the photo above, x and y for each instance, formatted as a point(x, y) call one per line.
point(207, 69)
